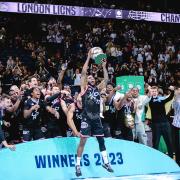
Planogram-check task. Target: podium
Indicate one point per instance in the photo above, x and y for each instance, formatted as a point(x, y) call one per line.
point(54, 159)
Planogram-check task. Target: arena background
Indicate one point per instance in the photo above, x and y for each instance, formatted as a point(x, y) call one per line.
point(27, 31)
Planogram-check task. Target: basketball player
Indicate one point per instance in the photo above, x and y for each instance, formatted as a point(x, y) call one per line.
point(34, 109)
point(91, 123)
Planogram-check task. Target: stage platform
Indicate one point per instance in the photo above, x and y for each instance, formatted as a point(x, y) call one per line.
point(54, 159)
point(170, 176)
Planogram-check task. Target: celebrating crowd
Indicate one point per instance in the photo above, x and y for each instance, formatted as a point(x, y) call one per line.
point(42, 78)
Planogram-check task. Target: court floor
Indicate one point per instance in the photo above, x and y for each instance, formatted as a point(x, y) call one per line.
point(172, 176)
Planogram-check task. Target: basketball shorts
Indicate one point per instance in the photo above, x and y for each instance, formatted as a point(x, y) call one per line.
point(91, 127)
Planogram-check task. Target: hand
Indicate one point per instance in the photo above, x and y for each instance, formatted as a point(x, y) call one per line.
point(171, 88)
point(65, 92)
point(11, 147)
point(19, 97)
point(104, 98)
point(104, 63)
point(118, 88)
point(7, 124)
point(77, 134)
point(148, 87)
point(64, 67)
point(56, 114)
point(149, 92)
point(79, 98)
point(35, 107)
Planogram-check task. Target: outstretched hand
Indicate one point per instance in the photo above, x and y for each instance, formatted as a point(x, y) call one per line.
point(64, 67)
point(117, 88)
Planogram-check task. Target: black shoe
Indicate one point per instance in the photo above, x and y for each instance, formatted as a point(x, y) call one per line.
point(78, 171)
point(107, 167)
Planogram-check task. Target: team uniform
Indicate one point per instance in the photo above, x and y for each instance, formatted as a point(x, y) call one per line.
point(124, 132)
point(53, 124)
point(109, 120)
point(11, 132)
point(91, 123)
point(33, 124)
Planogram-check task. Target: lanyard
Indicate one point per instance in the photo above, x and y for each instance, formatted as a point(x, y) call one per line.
point(112, 98)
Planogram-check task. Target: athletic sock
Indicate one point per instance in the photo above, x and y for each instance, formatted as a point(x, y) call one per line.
point(78, 161)
point(105, 157)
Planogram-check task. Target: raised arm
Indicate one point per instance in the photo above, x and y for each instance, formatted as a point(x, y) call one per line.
point(170, 97)
point(124, 99)
point(14, 107)
point(117, 100)
point(104, 82)
point(61, 75)
point(84, 72)
point(52, 98)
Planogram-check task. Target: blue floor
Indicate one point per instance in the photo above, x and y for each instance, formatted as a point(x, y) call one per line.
point(171, 176)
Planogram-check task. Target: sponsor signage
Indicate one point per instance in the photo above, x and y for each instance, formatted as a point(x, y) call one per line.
point(52, 159)
point(50, 9)
point(128, 82)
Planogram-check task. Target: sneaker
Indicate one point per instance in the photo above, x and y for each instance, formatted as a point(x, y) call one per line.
point(107, 167)
point(78, 171)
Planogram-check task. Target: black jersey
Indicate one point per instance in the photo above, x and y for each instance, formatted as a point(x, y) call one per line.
point(125, 110)
point(55, 104)
point(36, 117)
point(8, 116)
point(77, 113)
point(110, 110)
point(91, 102)
point(68, 100)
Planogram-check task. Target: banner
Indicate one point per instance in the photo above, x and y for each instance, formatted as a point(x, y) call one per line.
point(50, 9)
point(128, 82)
point(52, 159)
point(151, 16)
